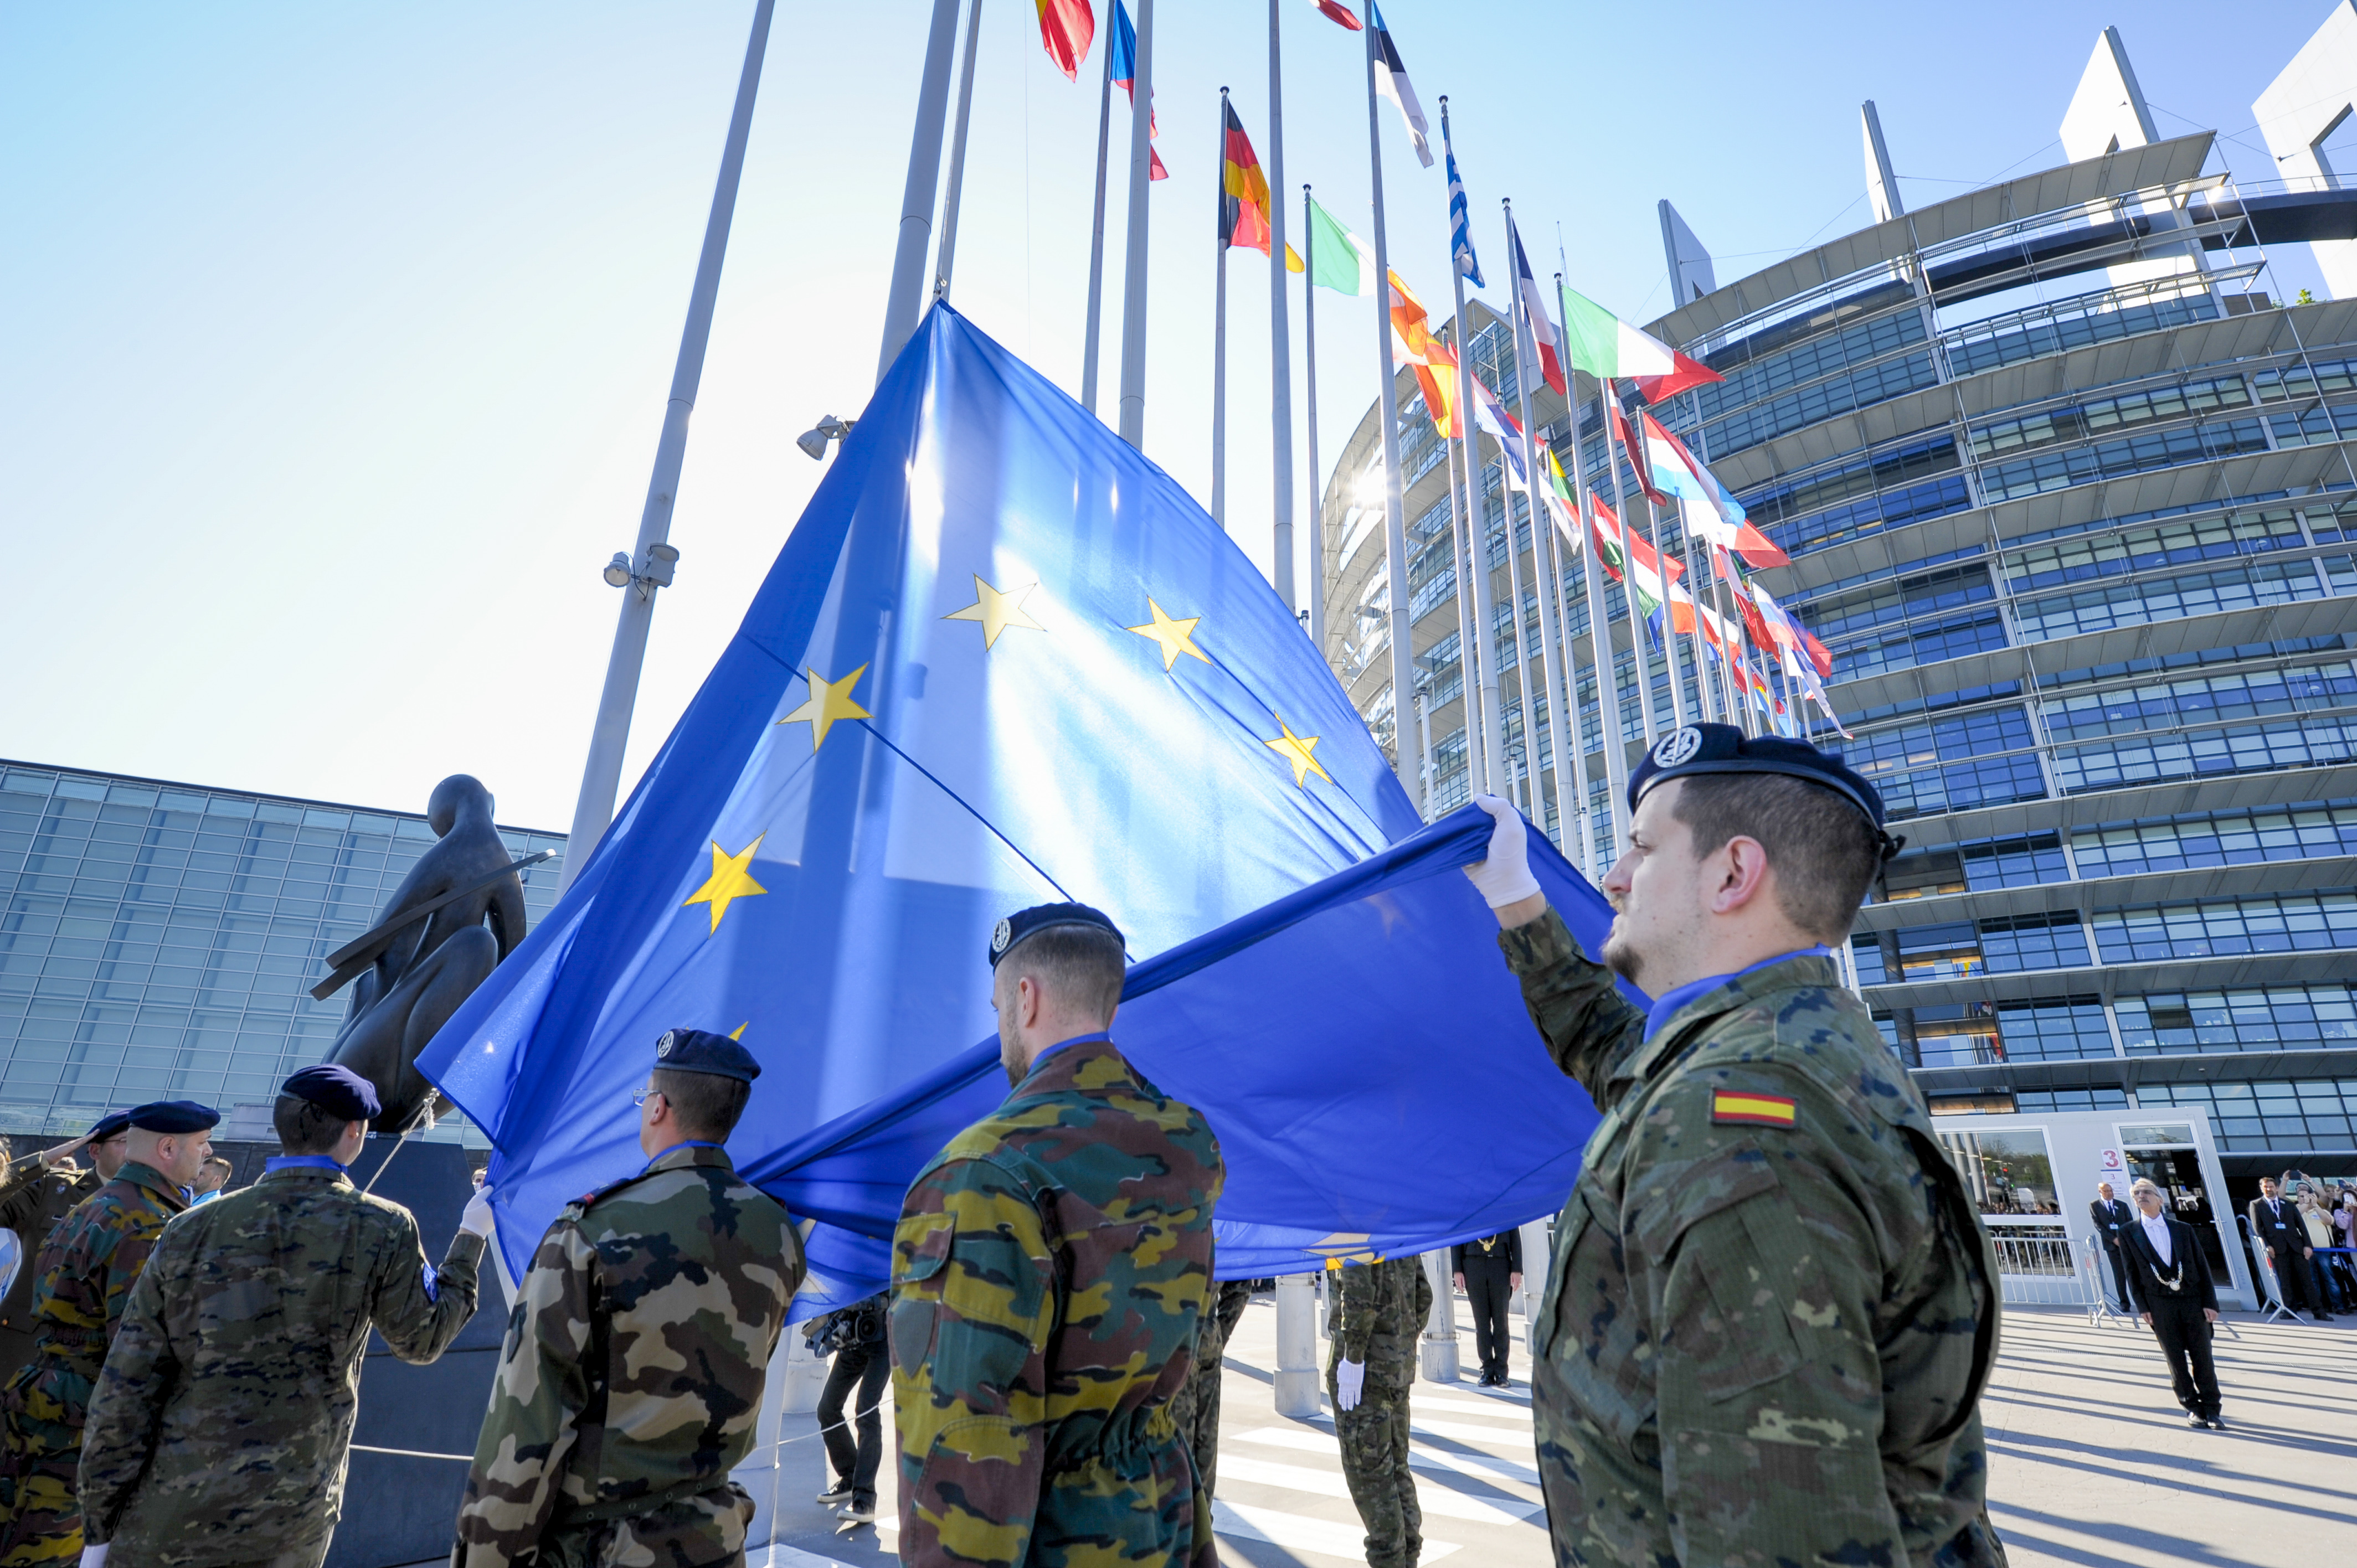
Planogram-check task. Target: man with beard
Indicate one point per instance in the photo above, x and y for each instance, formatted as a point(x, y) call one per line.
point(1770, 1311)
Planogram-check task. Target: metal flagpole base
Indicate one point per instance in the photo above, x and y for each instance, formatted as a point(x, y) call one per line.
point(1300, 1392)
point(1437, 1355)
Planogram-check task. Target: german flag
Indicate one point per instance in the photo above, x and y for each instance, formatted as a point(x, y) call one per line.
point(1243, 190)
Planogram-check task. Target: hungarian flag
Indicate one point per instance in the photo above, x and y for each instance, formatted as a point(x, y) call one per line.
point(1716, 516)
point(1243, 193)
point(1066, 29)
point(1339, 259)
point(1537, 323)
point(1413, 343)
point(1391, 80)
point(1125, 76)
point(1617, 549)
point(1605, 346)
point(1340, 14)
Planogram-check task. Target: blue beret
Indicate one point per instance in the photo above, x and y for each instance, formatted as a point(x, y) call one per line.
point(336, 1090)
point(174, 1116)
point(1042, 917)
point(701, 1050)
point(108, 1125)
point(1723, 749)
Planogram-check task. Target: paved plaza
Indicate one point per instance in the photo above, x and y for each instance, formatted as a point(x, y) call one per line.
point(2090, 1462)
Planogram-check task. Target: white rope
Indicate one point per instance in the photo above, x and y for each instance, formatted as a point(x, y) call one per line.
point(469, 1458)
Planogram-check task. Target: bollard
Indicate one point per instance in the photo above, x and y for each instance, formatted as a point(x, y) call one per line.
point(1300, 1391)
point(1535, 1262)
point(803, 1373)
point(1438, 1352)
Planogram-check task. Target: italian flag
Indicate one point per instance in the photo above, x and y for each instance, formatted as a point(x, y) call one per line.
point(1605, 346)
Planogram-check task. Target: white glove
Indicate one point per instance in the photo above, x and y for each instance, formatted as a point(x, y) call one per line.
point(93, 1557)
point(1350, 1383)
point(1505, 877)
point(477, 1219)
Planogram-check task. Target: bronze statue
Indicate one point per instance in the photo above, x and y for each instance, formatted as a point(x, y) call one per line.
point(428, 951)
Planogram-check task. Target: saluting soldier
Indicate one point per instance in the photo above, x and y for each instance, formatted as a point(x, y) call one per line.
point(1771, 1310)
point(87, 1271)
point(1378, 1310)
point(1048, 1274)
point(34, 1194)
point(631, 1379)
point(223, 1417)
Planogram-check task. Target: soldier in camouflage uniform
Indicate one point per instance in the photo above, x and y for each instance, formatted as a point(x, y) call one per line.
point(1047, 1274)
point(219, 1431)
point(630, 1381)
point(1770, 1309)
point(1197, 1409)
point(35, 1195)
point(87, 1271)
point(1378, 1309)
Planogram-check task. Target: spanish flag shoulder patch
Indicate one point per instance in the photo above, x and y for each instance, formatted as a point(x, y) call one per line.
point(1755, 1110)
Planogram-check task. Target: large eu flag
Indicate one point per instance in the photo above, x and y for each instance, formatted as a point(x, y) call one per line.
point(1002, 660)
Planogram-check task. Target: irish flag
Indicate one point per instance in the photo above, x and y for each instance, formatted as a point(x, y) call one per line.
point(1605, 346)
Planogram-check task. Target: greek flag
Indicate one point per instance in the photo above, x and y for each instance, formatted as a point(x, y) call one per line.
point(1460, 228)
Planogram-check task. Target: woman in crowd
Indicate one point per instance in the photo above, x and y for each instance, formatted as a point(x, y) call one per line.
point(2317, 1220)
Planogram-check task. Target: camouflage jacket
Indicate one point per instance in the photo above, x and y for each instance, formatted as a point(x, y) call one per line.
point(32, 1202)
point(1770, 1309)
point(86, 1272)
point(631, 1374)
point(1047, 1274)
point(221, 1421)
point(1376, 1313)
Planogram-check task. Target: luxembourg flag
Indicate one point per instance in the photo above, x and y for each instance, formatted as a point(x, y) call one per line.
point(1721, 517)
point(1605, 346)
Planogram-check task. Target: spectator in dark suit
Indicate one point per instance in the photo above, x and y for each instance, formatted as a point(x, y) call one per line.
point(2112, 1218)
point(2169, 1276)
point(1488, 1270)
point(2275, 1225)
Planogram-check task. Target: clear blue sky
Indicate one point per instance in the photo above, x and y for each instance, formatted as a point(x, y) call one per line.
point(337, 337)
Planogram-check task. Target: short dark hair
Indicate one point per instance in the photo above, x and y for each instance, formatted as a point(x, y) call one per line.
point(1824, 850)
point(1084, 967)
point(707, 1103)
point(305, 1128)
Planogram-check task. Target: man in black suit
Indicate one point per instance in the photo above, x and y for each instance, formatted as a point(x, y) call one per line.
point(2276, 1226)
point(2113, 1217)
point(1490, 1271)
point(2169, 1276)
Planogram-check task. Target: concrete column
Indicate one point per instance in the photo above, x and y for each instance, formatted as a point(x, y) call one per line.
point(799, 1372)
point(1300, 1389)
point(1438, 1351)
point(1535, 1264)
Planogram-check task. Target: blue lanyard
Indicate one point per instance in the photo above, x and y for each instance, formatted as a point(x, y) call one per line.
point(304, 1163)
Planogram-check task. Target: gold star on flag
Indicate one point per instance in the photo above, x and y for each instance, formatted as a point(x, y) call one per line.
point(731, 878)
point(738, 1031)
point(997, 611)
point(828, 702)
point(1295, 748)
point(1176, 637)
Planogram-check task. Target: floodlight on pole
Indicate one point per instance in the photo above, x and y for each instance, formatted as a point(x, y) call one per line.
point(813, 441)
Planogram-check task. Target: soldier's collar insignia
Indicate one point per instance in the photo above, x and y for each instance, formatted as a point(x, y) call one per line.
point(1753, 1110)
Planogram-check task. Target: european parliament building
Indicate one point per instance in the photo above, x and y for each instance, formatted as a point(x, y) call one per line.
point(2063, 482)
point(160, 940)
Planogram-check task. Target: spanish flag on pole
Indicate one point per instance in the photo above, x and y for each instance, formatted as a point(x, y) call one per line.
point(1243, 194)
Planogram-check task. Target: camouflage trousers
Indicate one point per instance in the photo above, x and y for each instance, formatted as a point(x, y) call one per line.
point(706, 1530)
point(40, 1463)
point(1374, 1439)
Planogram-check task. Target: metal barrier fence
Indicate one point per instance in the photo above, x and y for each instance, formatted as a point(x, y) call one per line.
point(2038, 1271)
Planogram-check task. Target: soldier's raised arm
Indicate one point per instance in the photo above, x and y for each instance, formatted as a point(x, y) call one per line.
point(1585, 1021)
point(538, 1396)
point(973, 1306)
point(419, 1308)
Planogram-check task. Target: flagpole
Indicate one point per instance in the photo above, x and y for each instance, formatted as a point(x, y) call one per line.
point(1540, 522)
point(957, 155)
point(1309, 388)
point(609, 733)
point(1608, 720)
point(1395, 524)
point(1706, 702)
point(1220, 326)
point(1132, 289)
point(1629, 574)
point(1093, 341)
point(1280, 332)
point(1470, 660)
point(1477, 562)
point(1669, 603)
point(905, 300)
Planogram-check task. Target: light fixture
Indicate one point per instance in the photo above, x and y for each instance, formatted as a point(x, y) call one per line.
point(617, 570)
point(661, 559)
point(813, 441)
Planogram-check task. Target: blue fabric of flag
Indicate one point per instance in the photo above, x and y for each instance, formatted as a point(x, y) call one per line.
point(1359, 1048)
point(1125, 46)
point(1002, 660)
